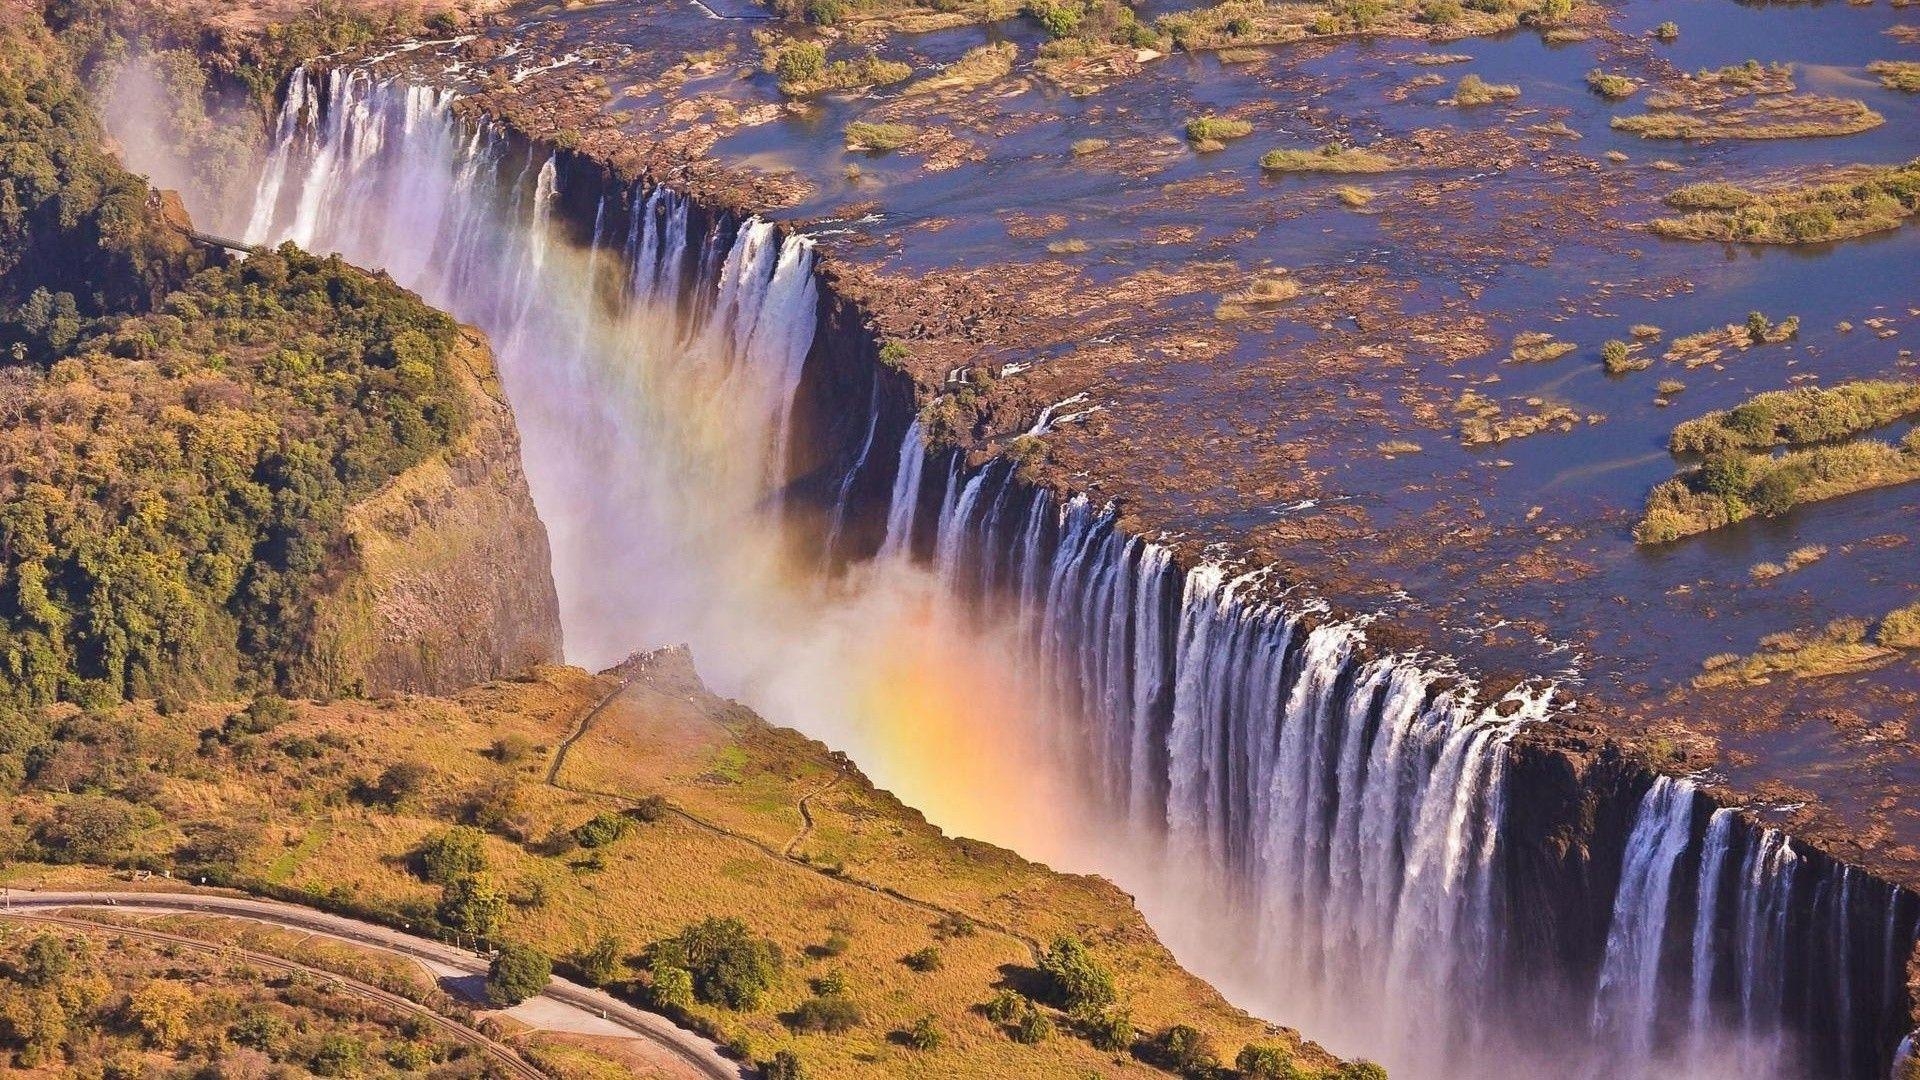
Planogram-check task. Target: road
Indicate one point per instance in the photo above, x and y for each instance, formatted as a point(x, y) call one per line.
point(685, 1046)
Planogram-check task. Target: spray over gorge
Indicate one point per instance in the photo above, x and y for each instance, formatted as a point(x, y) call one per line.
point(1351, 836)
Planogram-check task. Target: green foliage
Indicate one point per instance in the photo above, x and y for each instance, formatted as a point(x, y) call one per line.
point(451, 855)
point(79, 237)
point(1668, 31)
point(1257, 1061)
point(604, 962)
point(89, 829)
point(784, 1065)
point(800, 63)
point(1216, 129)
point(517, 973)
point(1362, 1069)
point(832, 984)
point(1005, 1006)
point(927, 959)
point(1185, 1050)
point(47, 962)
point(672, 988)
point(243, 420)
point(834, 1015)
point(602, 829)
point(730, 965)
point(473, 905)
point(1111, 1031)
point(1033, 1027)
point(925, 1035)
point(1080, 984)
point(338, 1054)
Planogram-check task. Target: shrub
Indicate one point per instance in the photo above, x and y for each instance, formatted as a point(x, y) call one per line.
point(1216, 129)
point(1264, 1062)
point(1667, 31)
point(1185, 1050)
point(400, 784)
point(163, 1010)
point(1618, 359)
point(651, 809)
point(1331, 158)
point(1080, 983)
point(671, 988)
point(1005, 1006)
point(925, 1035)
point(729, 964)
point(1473, 90)
point(1900, 629)
point(517, 973)
point(832, 984)
point(833, 1015)
point(472, 905)
point(338, 1055)
point(836, 944)
point(1362, 1069)
point(784, 1065)
point(927, 959)
point(1032, 1028)
point(448, 856)
point(602, 963)
point(800, 63)
point(602, 829)
point(879, 138)
point(1612, 87)
point(1111, 1031)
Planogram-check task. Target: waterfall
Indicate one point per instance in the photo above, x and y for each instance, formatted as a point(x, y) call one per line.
point(1627, 1003)
point(1326, 825)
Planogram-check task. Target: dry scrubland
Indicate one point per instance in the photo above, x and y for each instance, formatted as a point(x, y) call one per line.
point(1863, 201)
point(697, 805)
point(90, 1003)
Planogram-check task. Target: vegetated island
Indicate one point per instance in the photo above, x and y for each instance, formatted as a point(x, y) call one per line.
point(1862, 201)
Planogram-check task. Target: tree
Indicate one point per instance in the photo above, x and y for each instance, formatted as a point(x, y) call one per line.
point(400, 783)
point(1362, 1069)
point(449, 856)
point(517, 973)
point(672, 988)
point(604, 962)
point(473, 905)
point(47, 962)
point(338, 1055)
point(1005, 1007)
point(1033, 1028)
point(162, 1009)
point(602, 829)
point(927, 959)
point(1081, 984)
point(729, 964)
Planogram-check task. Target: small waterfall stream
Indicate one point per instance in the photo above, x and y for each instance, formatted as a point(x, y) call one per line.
point(1320, 827)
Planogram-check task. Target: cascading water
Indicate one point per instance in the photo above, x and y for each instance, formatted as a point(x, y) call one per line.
point(1325, 824)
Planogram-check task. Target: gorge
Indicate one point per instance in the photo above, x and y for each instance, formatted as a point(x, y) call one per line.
point(1410, 862)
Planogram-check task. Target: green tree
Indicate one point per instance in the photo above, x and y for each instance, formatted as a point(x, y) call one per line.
point(784, 1065)
point(473, 905)
point(1081, 984)
point(1257, 1061)
point(517, 973)
point(672, 988)
point(604, 962)
point(1362, 1069)
point(602, 829)
point(730, 965)
point(1185, 1050)
point(1111, 1031)
point(47, 962)
point(457, 853)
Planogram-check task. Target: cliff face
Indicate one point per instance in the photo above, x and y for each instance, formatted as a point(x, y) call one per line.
point(448, 581)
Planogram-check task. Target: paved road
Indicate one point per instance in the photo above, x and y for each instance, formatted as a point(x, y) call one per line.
point(684, 1045)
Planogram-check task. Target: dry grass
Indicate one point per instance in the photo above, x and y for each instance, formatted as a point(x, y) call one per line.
point(1742, 486)
point(1538, 347)
point(1083, 147)
point(1836, 649)
point(1354, 197)
point(1258, 294)
point(879, 138)
point(1903, 75)
point(1331, 158)
point(1900, 629)
point(1473, 90)
point(977, 68)
point(1609, 86)
point(1786, 116)
point(1798, 417)
point(1484, 421)
point(736, 785)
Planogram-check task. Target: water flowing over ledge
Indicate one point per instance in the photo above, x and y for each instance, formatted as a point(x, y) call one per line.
point(1364, 845)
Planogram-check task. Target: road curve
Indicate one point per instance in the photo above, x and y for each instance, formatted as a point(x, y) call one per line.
point(683, 1044)
point(503, 1054)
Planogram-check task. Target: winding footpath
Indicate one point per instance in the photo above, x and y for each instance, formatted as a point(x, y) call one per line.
point(696, 1052)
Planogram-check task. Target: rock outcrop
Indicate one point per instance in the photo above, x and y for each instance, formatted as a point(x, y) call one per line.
point(450, 581)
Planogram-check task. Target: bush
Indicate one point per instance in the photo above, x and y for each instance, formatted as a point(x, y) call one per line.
point(925, 1035)
point(800, 63)
point(1185, 1050)
point(602, 829)
point(1264, 1062)
point(862, 135)
point(400, 784)
point(1111, 1031)
point(517, 973)
point(833, 1015)
point(671, 989)
point(1080, 984)
point(1032, 1028)
point(1473, 90)
point(784, 1065)
point(1362, 1069)
point(338, 1055)
point(1216, 129)
point(927, 959)
point(651, 809)
point(457, 853)
point(729, 964)
point(472, 905)
point(1005, 1007)
point(604, 962)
